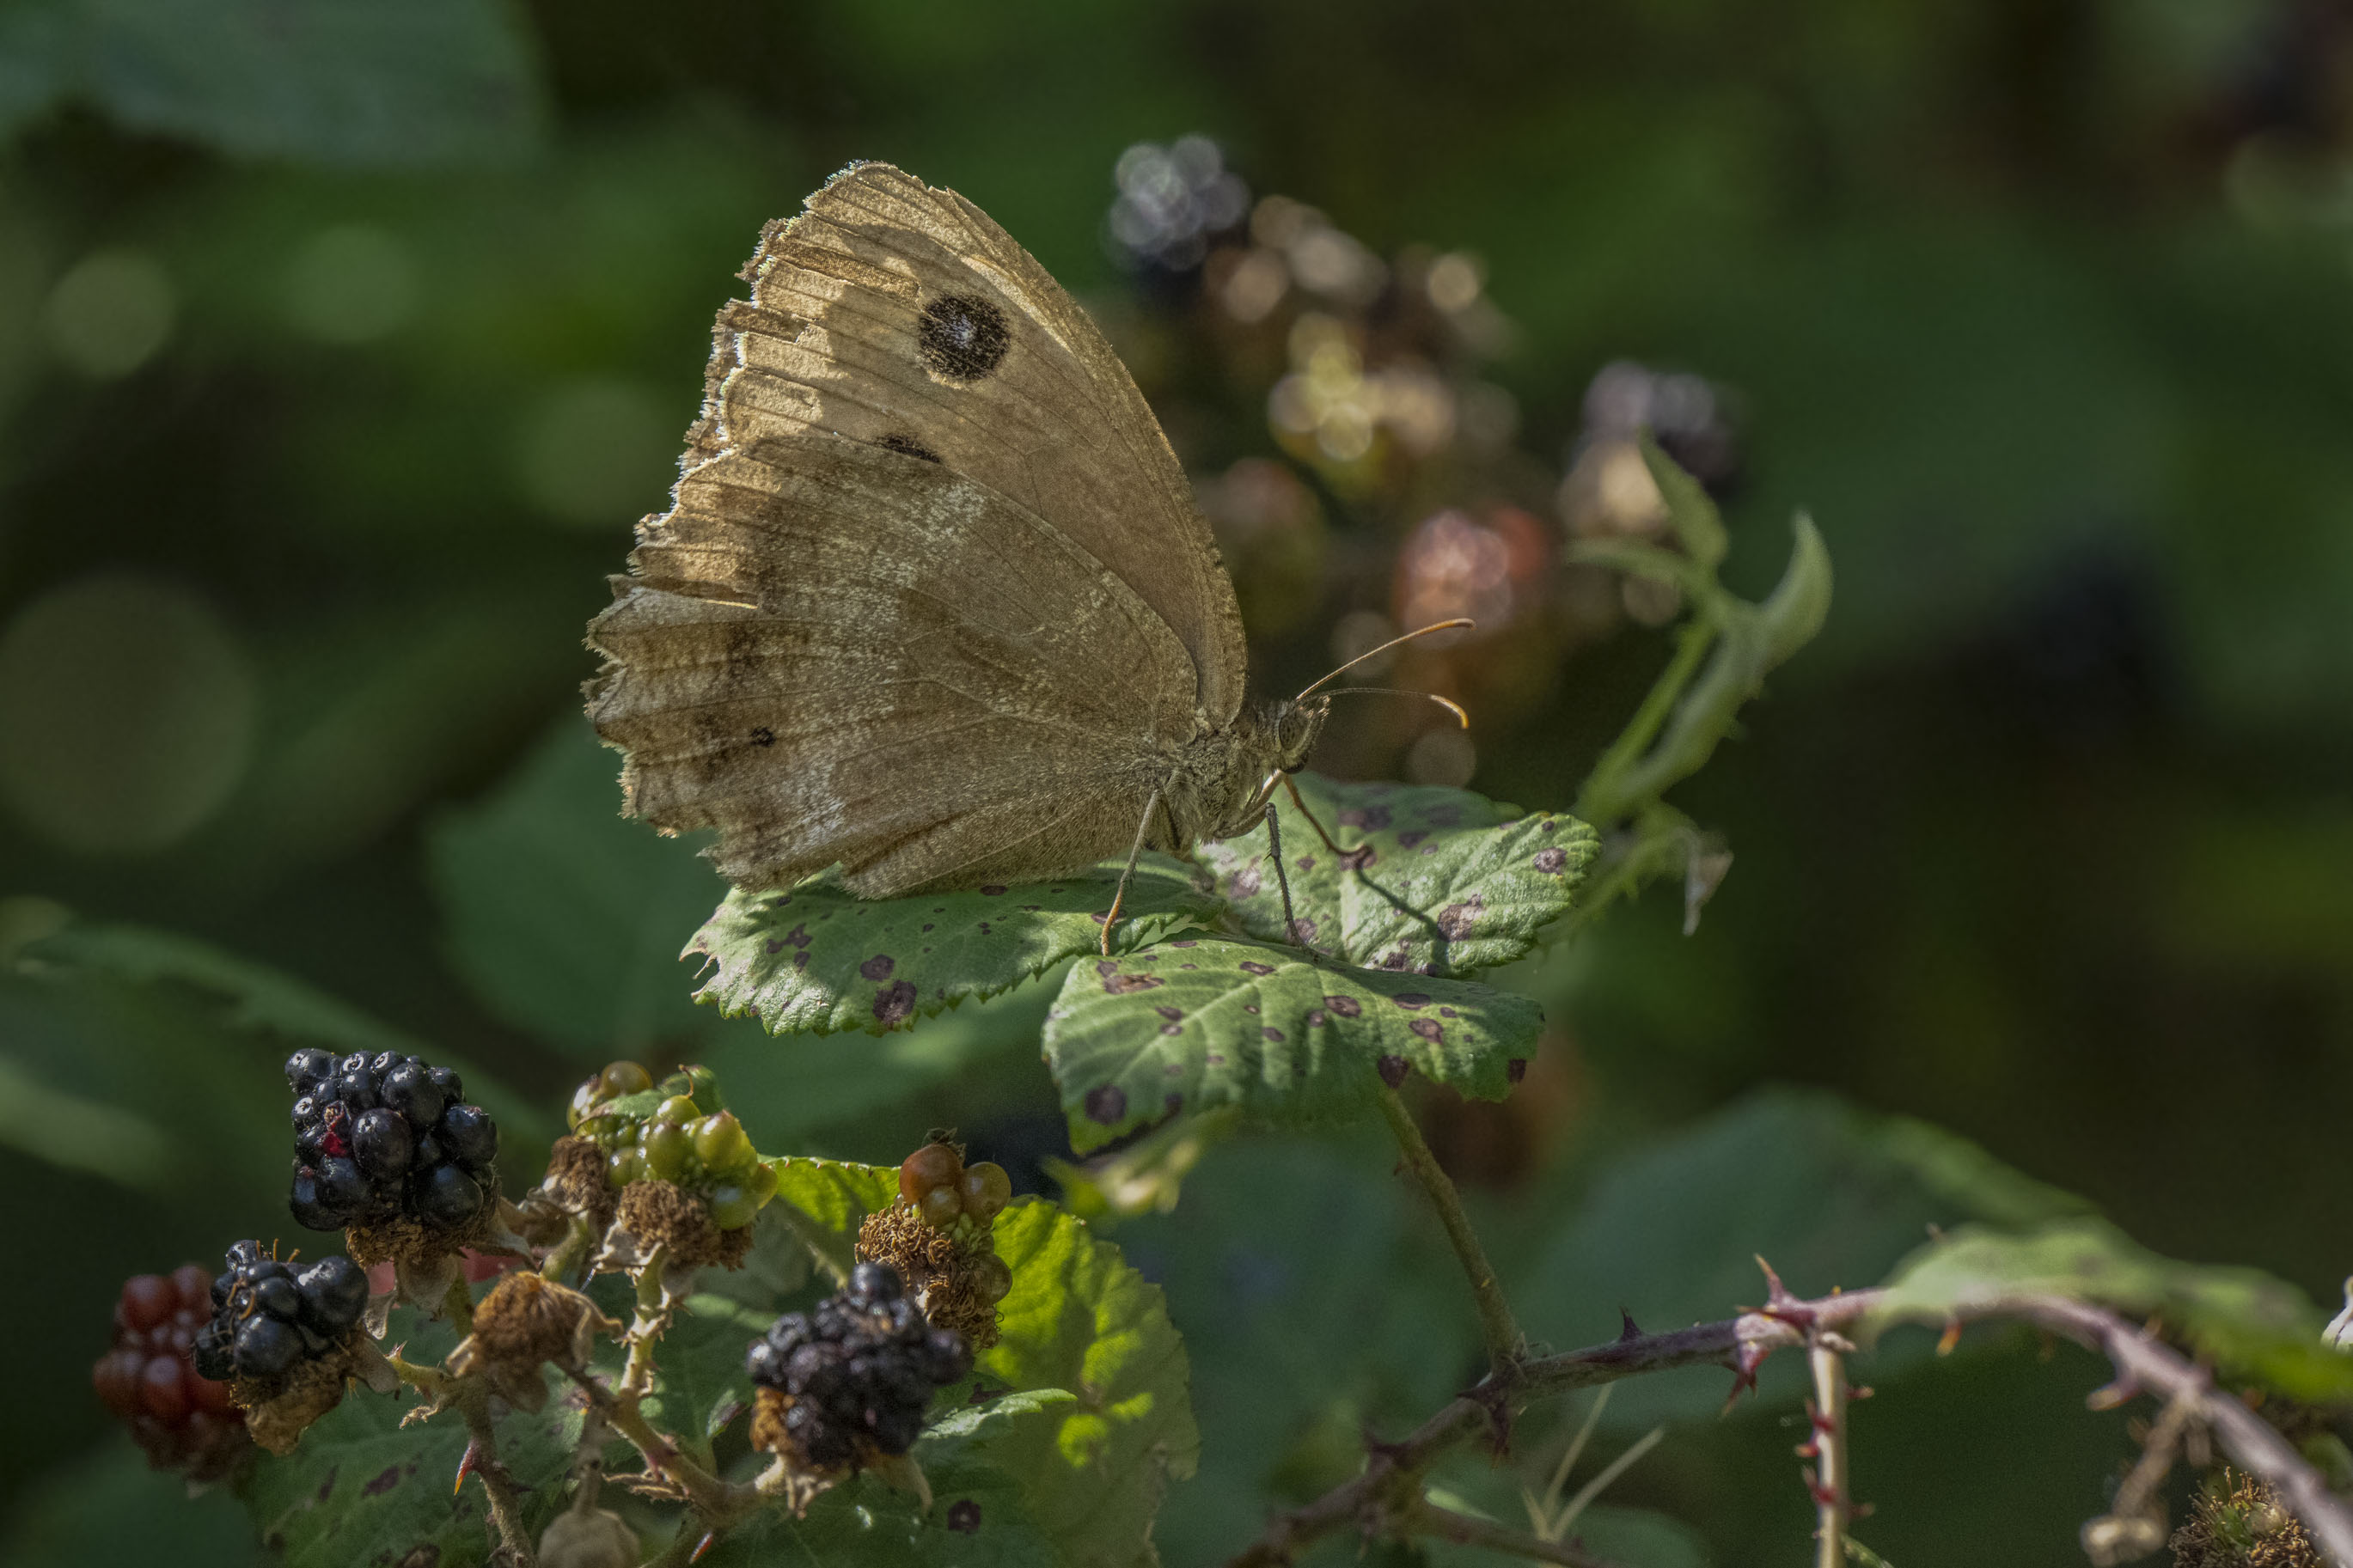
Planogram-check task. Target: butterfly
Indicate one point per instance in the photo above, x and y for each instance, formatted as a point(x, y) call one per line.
point(933, 601)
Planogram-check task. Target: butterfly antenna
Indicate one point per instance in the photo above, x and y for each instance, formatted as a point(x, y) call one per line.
point(1460, 622)
point(1448, 703)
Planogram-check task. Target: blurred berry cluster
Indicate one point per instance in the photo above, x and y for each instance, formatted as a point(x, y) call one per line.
point(1362, 470)
point(182, 1418)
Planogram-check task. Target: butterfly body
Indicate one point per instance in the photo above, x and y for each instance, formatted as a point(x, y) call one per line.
point(933, 601)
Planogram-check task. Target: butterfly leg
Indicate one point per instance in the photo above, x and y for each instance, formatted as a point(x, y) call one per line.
point(1135, 853)
point(1282, 880)
point(1346, 855)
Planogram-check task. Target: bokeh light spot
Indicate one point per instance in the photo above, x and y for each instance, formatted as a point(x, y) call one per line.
point(129, 707)
point(109, 313)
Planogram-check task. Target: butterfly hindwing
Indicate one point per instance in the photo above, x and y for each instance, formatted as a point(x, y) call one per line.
point(835, 651)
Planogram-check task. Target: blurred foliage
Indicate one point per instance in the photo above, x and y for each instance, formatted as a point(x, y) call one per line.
point(340, 346)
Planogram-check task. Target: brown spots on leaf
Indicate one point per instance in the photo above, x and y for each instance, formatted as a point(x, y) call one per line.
point(1251, 966)
point(964, 1517)
point(1343, 1007)
point(1174, 1014)
point(763, 736)
point(1188, 942)
point(1516, 1069)
point(894, 1003)
point(907, 445)
point(963, 338)
point(1409, 1000)
point(1456, 920)
point(378, 1485)
point(993, 890)
point(1316, 1018)
point(1306, 864)
point(774, 945)
point(877, 967)
point(1173, 1029)
point(1271, 1034)
point(797, 937)
point(1215, 1058)
point(800, 961)
point(1303, 929)
point(1246, 882)
point(1126, 984)
point(1107, 967)
point(1371, 818)
point(1552, 860)
point(1396, 958)
point(927, 926)
point(1446, 1013)
point(1428, 1029)
point(1407, 840)
point(1393, 1070)
point(1107, 1104)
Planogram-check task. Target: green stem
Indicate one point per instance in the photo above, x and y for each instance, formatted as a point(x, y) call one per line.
point(506, 1508)
point(577, 1237)
point(457, 1304)
point(1495, 1320)
point(1605, 799)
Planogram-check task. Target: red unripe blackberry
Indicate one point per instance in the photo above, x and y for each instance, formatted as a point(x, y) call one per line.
point(182, 1420)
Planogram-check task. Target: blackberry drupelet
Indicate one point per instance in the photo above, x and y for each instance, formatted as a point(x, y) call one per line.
point(268, 1316)
point(382, 1136)
point(857, 1372)
point(183, 1421)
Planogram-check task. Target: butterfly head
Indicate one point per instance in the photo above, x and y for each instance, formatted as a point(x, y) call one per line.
point(1293, 728)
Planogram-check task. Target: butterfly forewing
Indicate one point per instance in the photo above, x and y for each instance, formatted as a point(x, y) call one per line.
point(902, 316)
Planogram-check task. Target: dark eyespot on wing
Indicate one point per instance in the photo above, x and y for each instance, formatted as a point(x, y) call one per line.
point(963, 338)
point(910, 447)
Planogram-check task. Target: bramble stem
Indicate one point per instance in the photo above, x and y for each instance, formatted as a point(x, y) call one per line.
point(1831, 1505)
point(578, 1235)
point(506, 1508)
point(1495, 1320)
point(1465, 1530)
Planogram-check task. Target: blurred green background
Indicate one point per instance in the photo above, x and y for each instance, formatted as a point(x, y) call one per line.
point(341, 345)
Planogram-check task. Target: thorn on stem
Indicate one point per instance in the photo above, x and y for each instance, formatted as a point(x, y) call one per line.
point(1629, 1328)
point(467, 1465)
point(703, 1545)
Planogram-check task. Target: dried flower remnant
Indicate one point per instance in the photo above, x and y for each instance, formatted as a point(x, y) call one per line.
point(1608, 492)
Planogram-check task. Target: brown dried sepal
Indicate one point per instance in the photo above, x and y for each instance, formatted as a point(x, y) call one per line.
point(414, 1246)
point(278, 1410)
point(575, 1180)
point(523, 1323)
point(656, 1214)
point(2250, 1528)
point(938, 1266)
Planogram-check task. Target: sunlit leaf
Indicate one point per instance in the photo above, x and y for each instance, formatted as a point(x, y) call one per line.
point(818, 958)
point(1081, 1319)
point(1200, 1023)
point(1436, 881)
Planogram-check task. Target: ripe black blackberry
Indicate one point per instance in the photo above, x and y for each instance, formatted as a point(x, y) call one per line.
point(379, 1137)
point(268, 1316)
point(852, 1378)
point(183, 1420)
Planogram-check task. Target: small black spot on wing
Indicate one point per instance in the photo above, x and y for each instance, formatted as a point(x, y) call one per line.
point(898, 441)
point(963, 338)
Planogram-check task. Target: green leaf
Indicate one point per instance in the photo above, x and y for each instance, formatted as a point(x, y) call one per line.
point(1691, 512)
point(566, 916)
point(825, 1202)
point(340, 82)
point(360, 1488)
point(1829, 1195)
point(1197, 1024)
point(1794, 612)
point(1079, 1319)
point(250, 996)
point(700, 1382)
point(820, 960)
point(1453, 883)
point(2241, 1319)
point(977, 1520)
